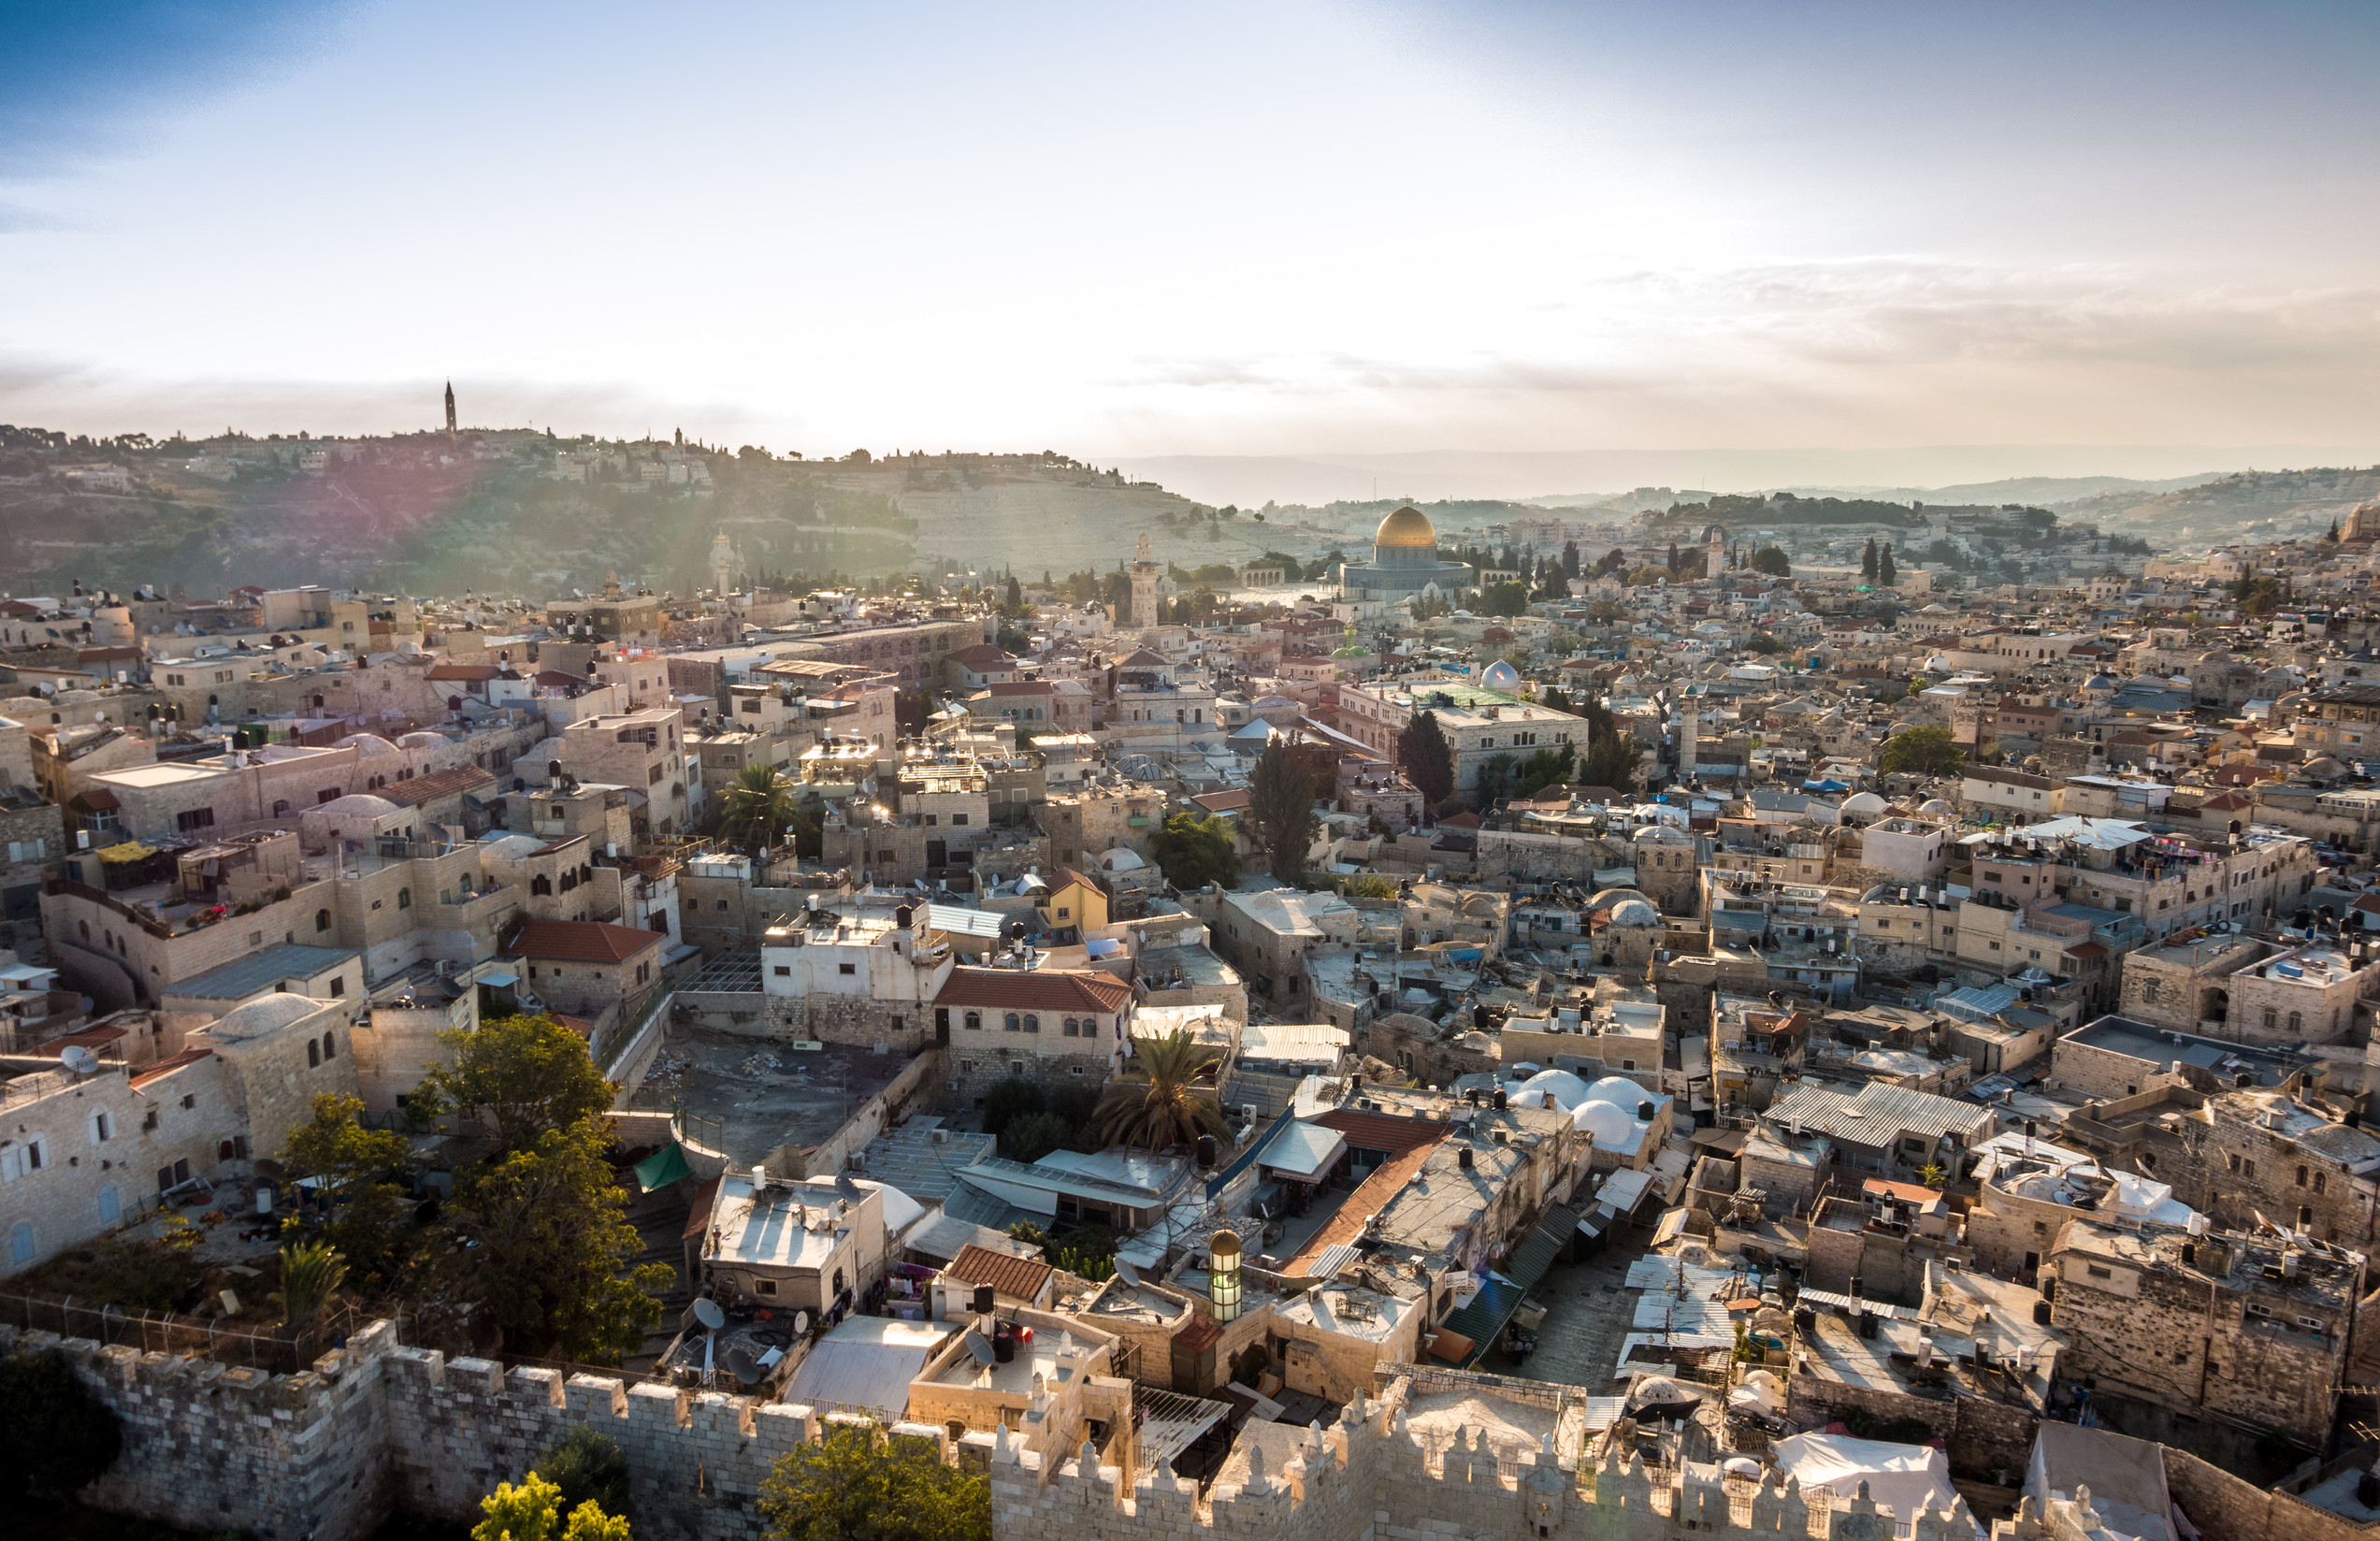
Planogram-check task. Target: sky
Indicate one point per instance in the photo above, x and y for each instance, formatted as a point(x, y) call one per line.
point(2094, 237)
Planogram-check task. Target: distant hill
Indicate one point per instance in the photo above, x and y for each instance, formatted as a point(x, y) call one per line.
point(2287, 504)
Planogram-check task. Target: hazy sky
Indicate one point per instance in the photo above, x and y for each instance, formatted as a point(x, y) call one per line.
point(1276, 228)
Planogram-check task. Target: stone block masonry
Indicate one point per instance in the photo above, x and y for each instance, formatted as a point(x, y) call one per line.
point(325, 1455)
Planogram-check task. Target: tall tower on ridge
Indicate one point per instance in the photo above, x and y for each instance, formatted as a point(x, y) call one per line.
point(449, 408)
point(1145, 572)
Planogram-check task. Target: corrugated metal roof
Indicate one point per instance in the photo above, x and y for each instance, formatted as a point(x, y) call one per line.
point(1879, 1114)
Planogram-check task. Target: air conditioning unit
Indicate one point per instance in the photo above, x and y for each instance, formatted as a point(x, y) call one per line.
point(941, 1136)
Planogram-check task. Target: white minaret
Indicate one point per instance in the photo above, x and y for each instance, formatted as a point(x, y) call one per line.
point(1145, 572)
point(1714, 560)
point(723, 565)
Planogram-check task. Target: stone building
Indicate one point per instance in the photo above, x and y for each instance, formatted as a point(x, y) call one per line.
point(1048, 1025)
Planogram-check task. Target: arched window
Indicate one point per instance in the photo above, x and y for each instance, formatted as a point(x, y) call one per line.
point(322, 920)
point(313, 1053)
point(330, 1046)
point(975, 1020)
point(1074, 1027)
point(543, 885)
point(1012, 1024)
point(280, 808)
point(1032, 1023)
point(404, 899)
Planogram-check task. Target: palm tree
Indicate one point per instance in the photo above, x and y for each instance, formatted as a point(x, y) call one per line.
point(759, 807)
point(1156, 1102)
point(310, 1275)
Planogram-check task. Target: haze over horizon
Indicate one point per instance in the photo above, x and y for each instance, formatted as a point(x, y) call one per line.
point(1486, 249)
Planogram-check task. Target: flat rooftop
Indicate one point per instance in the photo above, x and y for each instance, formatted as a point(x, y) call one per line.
point(752, 1096)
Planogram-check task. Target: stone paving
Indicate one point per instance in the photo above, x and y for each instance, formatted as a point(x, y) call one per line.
point(1587, 1313)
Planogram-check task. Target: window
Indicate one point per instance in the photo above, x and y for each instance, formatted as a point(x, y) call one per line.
point(2296, 1022)
point(2302, 1176)
point(959, 821)
point(1074, 1027)
point(846, 968)
point(783, 970)
point(2271, 1019)
point(103, 1129)
point(195, 818)
point(2321, 1181)
point(2095, 1271)
point(764, 1287)
point(1032, 1023)
point(1012, 1023)
point(322, 920)
point(313, 1054)
point(330, 1046)
point(1074, 1070)
point(339, 986)
point(404, 899)
point(975, 1021)
point(2235, 1161)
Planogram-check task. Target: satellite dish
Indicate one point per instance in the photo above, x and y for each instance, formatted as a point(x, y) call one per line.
point(78, 1059)
point(847, 1190)
point(982, 1350)
point(1131, 1275)
point(707, 1312)
point(742, 1366)
point(800, 1323)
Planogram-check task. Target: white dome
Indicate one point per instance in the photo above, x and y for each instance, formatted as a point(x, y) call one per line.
point(422, 741)
point(1607, 1124)
point(369, 746)
point(1500, 675)
point(1635, 913)
point(358, 803)
point(1121, 859)
point(1864, 803)
point(259, 1017)
point(1619, 1091)
point(1563, 1088)
point(1935, 808)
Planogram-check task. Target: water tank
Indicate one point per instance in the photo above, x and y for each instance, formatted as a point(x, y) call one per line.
point(983, 1300)
point(2040, 1313)
point(1501, 1100)
point(1645, 1112)
point(1209, 1151)
point(1463, 1157)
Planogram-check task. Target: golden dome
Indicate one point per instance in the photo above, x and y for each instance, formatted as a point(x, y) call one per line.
point(1408, 528)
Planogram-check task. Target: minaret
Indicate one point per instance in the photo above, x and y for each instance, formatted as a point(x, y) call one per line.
point(1145, 571)
point(1714, 560)
point(449, 408)
point(723, 565)
point(1689, 726)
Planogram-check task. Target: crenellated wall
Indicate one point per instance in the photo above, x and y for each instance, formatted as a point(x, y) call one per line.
point(325, 1455)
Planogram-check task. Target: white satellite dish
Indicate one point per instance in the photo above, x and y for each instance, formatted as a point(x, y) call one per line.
point(1131, 1275)
point(800, 1323)
point(78, 1059)
point(707, 1312)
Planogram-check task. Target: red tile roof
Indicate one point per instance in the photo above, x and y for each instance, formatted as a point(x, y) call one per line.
point(1370, 1197)
point(582, 941)
point(983, 653)
point(473, 674)
point(438, 783)
point(165, 1067)
point(1048, 989)
point(1021, 687)
point(1018, 1278)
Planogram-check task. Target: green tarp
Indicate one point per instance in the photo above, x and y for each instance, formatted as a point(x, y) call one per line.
point(662, 1168)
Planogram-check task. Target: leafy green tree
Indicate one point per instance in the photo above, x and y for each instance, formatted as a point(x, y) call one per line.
point(1281, 811)
point(1763, 644)
point(310, 1275)
point(1370, 885)
point(1009, 1099)
point(1886, 573)
point(1156, 1102)
point(587, 1466)
point(1194, 851)
point(368, 1211)
point(1922, 751)
point(527, 1075)
point(1546, 768)
point(1033, 1136)
point(1505, 600)
point(1610, 760)
point(58, 1438)
point(858, 1484)
point(549, 1249)
point(1772, 561)
point(533, 1512)
point(1426, 757)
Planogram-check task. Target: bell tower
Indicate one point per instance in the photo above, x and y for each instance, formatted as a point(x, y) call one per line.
point(1145, 572)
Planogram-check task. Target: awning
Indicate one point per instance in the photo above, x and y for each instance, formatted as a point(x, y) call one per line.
point(1305, 1151)
point(131, 850)
point(663, 1167)
point(1483, 1321)
point(499, 979)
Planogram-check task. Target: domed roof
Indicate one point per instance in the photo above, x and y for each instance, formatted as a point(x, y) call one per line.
point(370, 746)
point(1409, 528)
point(1500, 675)
point(2099, 682)
point(1609, 1125)
point(1865, 803)
point(422, 741)
point(1635, 913)
point(259, 1017)
point(1935, 808)
point(358, 803)
point(1619, 1092)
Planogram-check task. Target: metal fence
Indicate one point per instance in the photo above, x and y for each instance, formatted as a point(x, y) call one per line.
point(282, 1350)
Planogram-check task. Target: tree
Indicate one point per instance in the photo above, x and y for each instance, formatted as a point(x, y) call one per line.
point(1156, 1102)
point(1886, 574)
point(549, 1249)
point(1610, 760)
point(858, 1484)
point(58, 1438)
point(533, 1512)
point(527, 1075)
point(351, 1164)
point(1009, 1099)
point(1922, 751)
point(1569, 559)
point(1033, 1136)
point(1772, 561)
point(310, 1275)
point(1867, 562)
point(1194, 851)
point(1426, 759)
point(1496, 778)
point(1370, 885)
point(1015, 594)
point(587, 1466)
point(1763, 644)
point(1281, 811)
point(759, 808)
